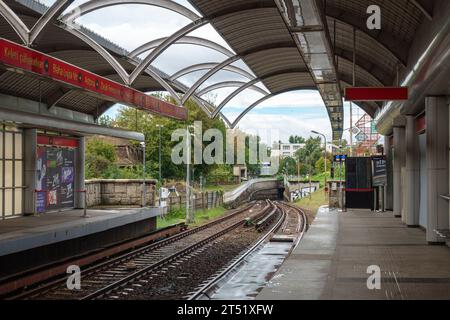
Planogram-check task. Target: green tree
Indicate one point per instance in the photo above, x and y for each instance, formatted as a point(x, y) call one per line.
point(296, 139)
point(288, 166)
point(309, 155)
point(100, 158)
point(141, 121)
point(320, 165)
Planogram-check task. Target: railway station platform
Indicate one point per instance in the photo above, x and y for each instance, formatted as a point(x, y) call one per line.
point(33, 241)
point(331, 261)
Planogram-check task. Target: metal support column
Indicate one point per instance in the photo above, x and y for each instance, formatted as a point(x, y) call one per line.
point(80, 174)
point(412, 204)
point(437, 124)
point(399, 163)
point(30, 158)
point(389, 164)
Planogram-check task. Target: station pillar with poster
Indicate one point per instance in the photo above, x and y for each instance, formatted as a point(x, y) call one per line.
point(57, 171)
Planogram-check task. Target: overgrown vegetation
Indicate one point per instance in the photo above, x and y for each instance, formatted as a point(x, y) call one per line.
point(156, 129)
point(179, 215)
point(101, 162)
point(312, 205)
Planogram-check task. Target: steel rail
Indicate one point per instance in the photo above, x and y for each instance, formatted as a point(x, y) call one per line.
point(175, 256)
point(232, 266)
point(213, 283)
point(130, 255)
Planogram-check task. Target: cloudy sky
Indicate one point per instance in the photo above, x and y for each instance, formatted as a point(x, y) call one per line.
point(294, 113)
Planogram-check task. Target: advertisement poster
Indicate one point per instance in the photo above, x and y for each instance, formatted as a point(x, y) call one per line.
point(56, 174)
point(379, 171)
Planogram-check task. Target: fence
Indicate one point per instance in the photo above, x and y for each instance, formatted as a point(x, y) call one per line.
point(205, 200)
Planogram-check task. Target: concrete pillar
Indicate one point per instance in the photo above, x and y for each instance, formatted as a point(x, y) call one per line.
point(389, 187)
point(399, 163)
point(437, 123)
point(30, 178)
point(412, 178)
point(80, 174)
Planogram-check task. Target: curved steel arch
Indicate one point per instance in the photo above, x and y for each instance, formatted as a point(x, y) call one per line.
point(164, 45)
point(184, 40)
point(228, 84)
point(208, 75)
point(249, 84)
point(234, 94)
point(388, 42)
point(208, 66)
point(251, 107)
point(152, 73)
point(94, 5)
point(15, 22)
point(123, 74)
point(52, 13)
point(257, 103)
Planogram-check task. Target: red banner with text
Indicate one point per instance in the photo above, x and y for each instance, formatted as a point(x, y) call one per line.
point(17, 56)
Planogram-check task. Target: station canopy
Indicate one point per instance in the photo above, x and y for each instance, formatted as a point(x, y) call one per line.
point(287, 44)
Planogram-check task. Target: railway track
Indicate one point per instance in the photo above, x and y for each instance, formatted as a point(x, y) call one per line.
point(102, 281)
point(290, 227)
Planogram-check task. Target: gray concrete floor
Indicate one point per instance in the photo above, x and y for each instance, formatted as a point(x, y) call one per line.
point(22, 233)
point(332, 260)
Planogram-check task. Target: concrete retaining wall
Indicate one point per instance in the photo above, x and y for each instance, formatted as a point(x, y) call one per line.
point(106, 192)
point(257, 189)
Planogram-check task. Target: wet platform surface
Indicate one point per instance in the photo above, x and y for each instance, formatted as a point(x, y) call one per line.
point(251, 278)
point(332, 259)
point(23, 233)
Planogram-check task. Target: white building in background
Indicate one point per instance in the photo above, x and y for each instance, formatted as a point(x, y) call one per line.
point(284, 150)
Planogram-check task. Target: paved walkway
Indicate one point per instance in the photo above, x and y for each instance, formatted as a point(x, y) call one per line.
point(332, 260)
point(23, 233)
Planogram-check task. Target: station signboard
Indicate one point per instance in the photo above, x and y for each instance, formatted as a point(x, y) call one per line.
point(340, 158)
point(379, 171)
point(25, 59)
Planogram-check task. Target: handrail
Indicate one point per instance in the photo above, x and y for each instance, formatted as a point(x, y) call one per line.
point(36, 191)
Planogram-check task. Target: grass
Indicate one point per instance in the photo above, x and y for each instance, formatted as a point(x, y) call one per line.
point(224, 188)
point(311, 206)
point(179, 216)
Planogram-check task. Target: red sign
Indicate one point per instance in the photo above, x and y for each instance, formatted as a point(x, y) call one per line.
point(21, 57)
point(57, 141)
point(376, 94)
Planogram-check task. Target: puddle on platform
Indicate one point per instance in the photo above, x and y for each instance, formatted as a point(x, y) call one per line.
point(254, 274)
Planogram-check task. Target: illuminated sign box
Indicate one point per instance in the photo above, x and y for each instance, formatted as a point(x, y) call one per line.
point(376, 94)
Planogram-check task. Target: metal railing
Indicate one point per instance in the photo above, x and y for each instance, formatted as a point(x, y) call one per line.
point(37, 191)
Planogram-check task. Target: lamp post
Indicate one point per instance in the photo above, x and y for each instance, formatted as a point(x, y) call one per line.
point(188, 174)
point(159, 126)
point(325, 156)
point(144, 183)
point(325, 140)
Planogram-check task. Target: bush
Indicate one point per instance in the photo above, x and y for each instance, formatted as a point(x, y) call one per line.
point(100, 158)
